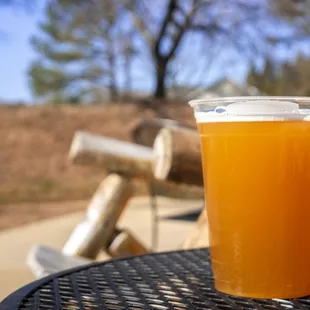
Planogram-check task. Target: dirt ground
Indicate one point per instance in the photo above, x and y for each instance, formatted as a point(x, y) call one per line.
point(35, 142)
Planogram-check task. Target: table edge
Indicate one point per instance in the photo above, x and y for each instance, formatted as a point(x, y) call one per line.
point(13, 300)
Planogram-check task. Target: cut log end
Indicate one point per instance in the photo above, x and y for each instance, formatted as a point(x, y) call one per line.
point(163, 154)
point(126, 159)
point(177, 156)
point(77, 145)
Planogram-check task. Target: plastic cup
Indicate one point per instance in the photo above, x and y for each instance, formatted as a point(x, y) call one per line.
point(256, 165)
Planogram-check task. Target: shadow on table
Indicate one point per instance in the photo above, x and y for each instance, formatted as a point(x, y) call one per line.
point(190, 216)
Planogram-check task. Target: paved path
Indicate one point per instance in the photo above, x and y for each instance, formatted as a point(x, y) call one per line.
point(16, 242)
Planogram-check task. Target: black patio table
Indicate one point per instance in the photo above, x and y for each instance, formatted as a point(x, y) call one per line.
point(173, 280)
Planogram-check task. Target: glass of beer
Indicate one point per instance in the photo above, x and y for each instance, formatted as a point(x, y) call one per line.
point(256, 166)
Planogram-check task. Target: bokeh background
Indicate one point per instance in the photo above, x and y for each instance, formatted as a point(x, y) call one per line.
point(105, 65)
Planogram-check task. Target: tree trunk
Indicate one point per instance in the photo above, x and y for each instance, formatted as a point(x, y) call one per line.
point(161, 72)
point(146, 131)
point(177, 156)
point(128, 78)
point(112, 65)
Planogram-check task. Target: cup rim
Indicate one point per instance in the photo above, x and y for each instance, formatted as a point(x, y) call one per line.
point(220, 100)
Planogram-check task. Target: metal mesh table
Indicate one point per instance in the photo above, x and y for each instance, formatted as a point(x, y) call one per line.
point(174, 280)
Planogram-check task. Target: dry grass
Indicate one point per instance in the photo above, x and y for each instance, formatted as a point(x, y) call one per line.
point(35, 143)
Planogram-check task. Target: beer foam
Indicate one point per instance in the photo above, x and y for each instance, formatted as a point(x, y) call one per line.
point(249, 109)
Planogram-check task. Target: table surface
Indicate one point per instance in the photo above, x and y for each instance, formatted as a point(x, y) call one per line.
point(174, 280)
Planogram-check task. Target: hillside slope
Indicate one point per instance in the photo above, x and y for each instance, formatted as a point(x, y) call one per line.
point(35, 143)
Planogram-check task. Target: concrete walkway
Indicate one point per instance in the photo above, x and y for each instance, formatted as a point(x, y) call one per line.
point(16, 242)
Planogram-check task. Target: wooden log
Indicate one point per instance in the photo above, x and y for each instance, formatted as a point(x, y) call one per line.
point(172, 189)
point(177, 156)
point(104, 210)
point(146, 131)
point(116, 156)
point(109, 201)
point(126, 244)
point(128, 159)
point(199, 237)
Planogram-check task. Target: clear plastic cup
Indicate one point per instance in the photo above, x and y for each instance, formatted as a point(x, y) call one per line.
point(256, 164)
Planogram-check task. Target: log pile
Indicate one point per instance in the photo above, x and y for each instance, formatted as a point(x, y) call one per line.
point(178, 159)
point(127, 159)
point(172, 167)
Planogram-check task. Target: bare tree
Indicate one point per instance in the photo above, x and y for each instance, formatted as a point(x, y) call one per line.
point(175, 22)
point(214, 20)
point(248, 27)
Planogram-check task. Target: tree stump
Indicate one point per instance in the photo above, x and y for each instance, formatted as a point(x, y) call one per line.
point(177, 156)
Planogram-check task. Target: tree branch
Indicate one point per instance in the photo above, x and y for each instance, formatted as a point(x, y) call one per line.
point(171, 8)
point(291, 39)
point(141, 25)
point(182, 29)
point(208, 29)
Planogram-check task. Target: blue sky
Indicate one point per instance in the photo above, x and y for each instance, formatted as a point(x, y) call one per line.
point(16, 26)
point(16, 53)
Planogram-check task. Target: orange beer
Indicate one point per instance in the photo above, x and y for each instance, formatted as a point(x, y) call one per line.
point(257, 188)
